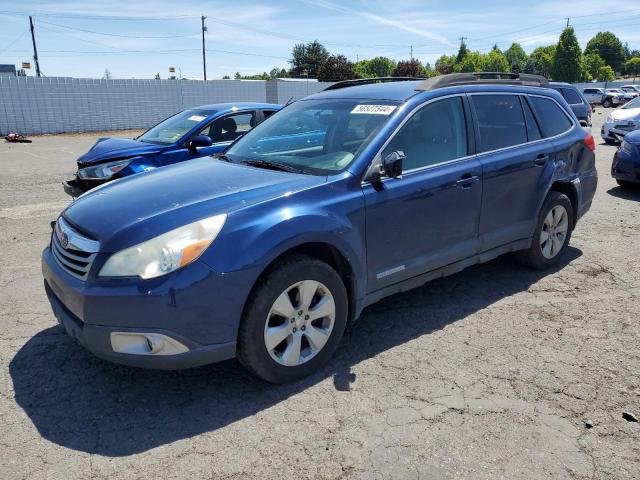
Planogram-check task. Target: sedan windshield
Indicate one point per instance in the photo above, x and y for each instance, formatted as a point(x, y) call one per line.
point(313, 136)
point(635, 103)
point(174, 128)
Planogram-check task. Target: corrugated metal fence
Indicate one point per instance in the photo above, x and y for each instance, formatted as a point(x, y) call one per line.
point(31, 105)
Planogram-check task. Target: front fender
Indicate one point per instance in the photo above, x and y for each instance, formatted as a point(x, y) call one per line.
point(252, 242)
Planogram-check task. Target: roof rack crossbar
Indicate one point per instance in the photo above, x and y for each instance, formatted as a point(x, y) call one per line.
point(366, 81)
point(483, 78)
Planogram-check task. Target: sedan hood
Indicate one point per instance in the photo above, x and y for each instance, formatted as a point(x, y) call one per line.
point(625, 113)
point(114, 148)
point(133, 209)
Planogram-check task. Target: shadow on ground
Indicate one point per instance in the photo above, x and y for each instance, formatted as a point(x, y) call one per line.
point(80, 402)
point(626, 193)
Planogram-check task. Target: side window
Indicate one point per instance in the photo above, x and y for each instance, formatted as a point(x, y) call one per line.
point(500, 121)
point(230, 127)
point(533, 131)
point(571, 96)
point(589, 90)
point(268, 113)
point(436, 133)
point(553, 119)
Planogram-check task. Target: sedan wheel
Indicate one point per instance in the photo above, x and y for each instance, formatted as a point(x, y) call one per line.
point(554, 231)
point(299, 323)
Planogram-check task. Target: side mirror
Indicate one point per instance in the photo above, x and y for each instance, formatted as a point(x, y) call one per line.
point(392, 164)
point(200, 141)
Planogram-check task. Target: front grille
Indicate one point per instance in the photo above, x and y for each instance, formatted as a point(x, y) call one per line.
point(78, 255)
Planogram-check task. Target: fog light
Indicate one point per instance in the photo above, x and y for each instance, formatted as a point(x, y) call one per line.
point(138, 343)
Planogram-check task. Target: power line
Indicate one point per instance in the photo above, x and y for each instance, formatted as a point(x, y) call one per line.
point(116, 34)
point(15, 41)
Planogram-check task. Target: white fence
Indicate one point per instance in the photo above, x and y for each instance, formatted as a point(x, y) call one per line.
point(31, 105)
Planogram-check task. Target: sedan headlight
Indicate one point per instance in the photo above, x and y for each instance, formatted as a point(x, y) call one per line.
point(625, 147)
point(165, 253)
point(103, 171)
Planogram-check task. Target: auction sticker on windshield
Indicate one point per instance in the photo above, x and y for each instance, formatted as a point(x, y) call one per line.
point(374, 109)
point(197, 118)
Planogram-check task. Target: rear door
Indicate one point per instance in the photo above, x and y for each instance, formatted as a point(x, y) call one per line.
point(429, 217)
point(515, 160)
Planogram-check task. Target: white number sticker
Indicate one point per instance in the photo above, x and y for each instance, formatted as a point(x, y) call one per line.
point(196, 118)
point(374, 109)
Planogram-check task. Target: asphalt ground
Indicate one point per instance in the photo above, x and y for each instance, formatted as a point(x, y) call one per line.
point(495, 372)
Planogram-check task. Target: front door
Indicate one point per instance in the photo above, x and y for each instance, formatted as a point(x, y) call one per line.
point(429, 217)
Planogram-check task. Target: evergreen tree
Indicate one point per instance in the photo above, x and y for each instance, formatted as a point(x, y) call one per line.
point(567, 62)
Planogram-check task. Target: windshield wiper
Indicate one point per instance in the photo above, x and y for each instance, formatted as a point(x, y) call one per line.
point(272, 165)
point(222, 156)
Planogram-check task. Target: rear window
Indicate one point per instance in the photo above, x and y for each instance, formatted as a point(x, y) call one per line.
point(553, 119)
point(571, 96)
point(500, 121)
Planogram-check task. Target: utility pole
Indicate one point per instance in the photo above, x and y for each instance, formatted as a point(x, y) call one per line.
point(567, 23)
point(35, 49)
point(204, 58)
point(411, 47)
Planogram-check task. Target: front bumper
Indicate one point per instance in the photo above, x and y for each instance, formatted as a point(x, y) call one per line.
point(195, 306)
point(76, 187)
point(620, 128)
point(626, 167)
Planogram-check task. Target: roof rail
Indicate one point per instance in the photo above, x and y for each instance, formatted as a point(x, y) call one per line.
point(483, 78)
point(366, 81)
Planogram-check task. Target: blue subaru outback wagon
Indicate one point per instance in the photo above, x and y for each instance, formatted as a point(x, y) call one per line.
point(266, 253)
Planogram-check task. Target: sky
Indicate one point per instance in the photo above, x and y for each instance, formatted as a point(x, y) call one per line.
point(137, 39)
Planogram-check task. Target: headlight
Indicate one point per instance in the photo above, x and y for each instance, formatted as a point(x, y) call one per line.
point(165, 253)
point(103, 171)
point(625, 147)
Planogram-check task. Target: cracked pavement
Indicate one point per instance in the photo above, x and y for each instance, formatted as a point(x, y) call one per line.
point(490, 373)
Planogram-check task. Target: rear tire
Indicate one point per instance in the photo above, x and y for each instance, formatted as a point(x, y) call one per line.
point(607, 103)
point(552, 234)
point(278, 343)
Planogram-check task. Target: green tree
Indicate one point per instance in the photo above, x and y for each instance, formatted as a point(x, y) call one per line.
point(462, 52)
point(516, 57)
point(567, 62)
point(540, 61)
point(632, 66)
point(472, 62)
point(593, 63)
point(361, 69)
point(495, 61)
point(445, 64)
point(306, 59)
point(335, 69)
point(408, 68)
point(609, 47)
point(381, 66)
point(606, 74)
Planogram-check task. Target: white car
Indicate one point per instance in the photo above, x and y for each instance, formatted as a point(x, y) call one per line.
point(597, 96)
point(616, 91)
point(632, 89)
point(621, 121)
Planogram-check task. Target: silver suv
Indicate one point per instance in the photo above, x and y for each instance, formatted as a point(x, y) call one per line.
point(598, 96)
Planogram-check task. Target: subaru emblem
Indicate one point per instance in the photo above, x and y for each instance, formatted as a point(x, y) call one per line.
point(64, 239)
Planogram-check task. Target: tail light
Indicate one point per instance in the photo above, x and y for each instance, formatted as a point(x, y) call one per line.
point(589, 142)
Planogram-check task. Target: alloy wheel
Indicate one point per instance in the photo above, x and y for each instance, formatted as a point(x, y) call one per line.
point(299, 323)
point(553, 234)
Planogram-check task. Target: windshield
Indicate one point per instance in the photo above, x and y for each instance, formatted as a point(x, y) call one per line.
point(314, 136)
point(173, 128)
point(635, 103)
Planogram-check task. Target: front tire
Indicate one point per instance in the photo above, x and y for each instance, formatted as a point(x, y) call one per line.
point(293, 321)
point(552, 235)
point(607, 103)
point(625, 184)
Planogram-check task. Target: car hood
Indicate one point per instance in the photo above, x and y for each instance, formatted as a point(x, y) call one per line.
point(625, 113)
point(633, 137)
point(133, 209)
point(115, 148)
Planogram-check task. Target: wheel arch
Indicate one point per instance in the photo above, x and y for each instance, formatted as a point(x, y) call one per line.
point(325, 252)
point(569, 189)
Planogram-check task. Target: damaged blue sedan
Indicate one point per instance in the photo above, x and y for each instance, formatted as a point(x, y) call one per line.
point(192, 133)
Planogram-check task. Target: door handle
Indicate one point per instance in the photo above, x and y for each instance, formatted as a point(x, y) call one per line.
point(467, 180)
point(541, 160)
